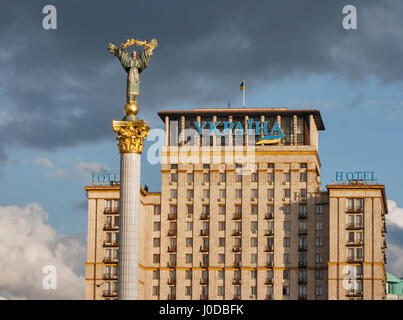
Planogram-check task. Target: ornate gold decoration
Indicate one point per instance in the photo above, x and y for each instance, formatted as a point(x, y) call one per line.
point(131, 135)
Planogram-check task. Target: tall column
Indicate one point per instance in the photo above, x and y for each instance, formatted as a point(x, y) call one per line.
point(131, 135)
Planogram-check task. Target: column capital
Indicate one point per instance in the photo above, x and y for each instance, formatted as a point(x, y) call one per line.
point(131, 135)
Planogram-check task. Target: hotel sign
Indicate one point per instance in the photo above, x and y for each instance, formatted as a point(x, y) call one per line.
point(356, 175)
point(275, 134)
point(104, 177)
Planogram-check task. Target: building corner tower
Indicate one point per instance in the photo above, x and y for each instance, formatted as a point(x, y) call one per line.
point(131, 135)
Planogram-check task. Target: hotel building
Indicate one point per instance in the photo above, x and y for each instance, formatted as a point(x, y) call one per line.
point(241, 220)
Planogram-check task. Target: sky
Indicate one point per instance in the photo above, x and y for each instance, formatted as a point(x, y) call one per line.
point(60, 89)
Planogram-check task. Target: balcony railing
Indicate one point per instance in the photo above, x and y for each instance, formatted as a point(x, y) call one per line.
point(269, 264)
point(302, 281)
point(269, 297)
point(171, 233)
point(171, 282)
point(171, 216)
point(269, 216)
point(301, 249)
point(110, 276)
point(204, 264)
point(108, 243)
point(236, 297)
point(110, 227)
point(171, 264)
point(302, 264)
point(302, 216)
point(354, 293)
point(236, 281)
point(237, 249)
point(204, 216)
point(302, 297)
point(354, 259)
point(354, 210)
point(268, 233)
point(355, 243)
point(302, 231)
point(203, 281)
point(203, 249)
point(268, 282)
point(354, 226)
point(237, 233)
point(237, 216)
point(111, 210)
point(171, 296)
point(171, 248)
point(110, 260)
point(269, 248)
point(109, 293)
point(204, 296)
point(204, 233)
point(237, 264)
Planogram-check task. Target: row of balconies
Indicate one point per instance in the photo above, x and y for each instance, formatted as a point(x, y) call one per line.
point(268, 216)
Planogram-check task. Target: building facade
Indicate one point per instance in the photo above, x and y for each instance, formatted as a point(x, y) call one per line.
point(237, 219)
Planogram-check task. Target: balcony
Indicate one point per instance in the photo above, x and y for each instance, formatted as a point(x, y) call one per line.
point(268, 282)
point(269, 216)
point(171, 248)
point(302, 249)
point(204, 216)
point(237, 249)
point(269, 248)
point(204, 264)
point(268, 233)
point(237, 217)
point(172, 233)
point(110, 260)
point(110, 227)
point(203, 297)
point(171, 264)
point(302, 216)
point(236, 297)
point(237, 264)
point(354, 226)
point(236, 281)
point(302, 264)
point(302, 297)
point(204, 233)
point(354, 210)
point(109, 294)
point(302, 231)
point(354, 293)
point(171, 216)
point(269, 264)
point(268, 297)
point(172, 297)
point(237, 233)
point(355, 243)
point(203, 281)
point(108, 243)
point(110, 276)
point(111, 211)
point(302, 281)
point(171, 282)
point(203, 249)
point(354, 259)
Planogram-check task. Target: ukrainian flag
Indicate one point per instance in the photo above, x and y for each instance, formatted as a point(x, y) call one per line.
point(242, 86)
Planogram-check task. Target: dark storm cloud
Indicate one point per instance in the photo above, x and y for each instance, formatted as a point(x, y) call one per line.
point(62, 87)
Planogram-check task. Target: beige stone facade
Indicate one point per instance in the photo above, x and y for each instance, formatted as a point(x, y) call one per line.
point(236, 220)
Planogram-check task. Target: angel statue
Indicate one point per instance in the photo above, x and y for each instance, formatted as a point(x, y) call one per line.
point(134, 66)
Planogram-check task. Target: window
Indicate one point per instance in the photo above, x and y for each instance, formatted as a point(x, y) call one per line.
point(189, 258)
point(287, 193)
point(221, 274)
point(190, 178)
point(238, 193)
point(302, 243)
point(206, 177)
point(287, 226)
point(302, 176)
point(221, 210)
point(221, 242)
point(156, 242)
point(286, 258)
point(286, 274)
point(188, 291)
point(303, 165)
point(220, 291)
point(318, 274)
point(254, 177)
point(270, 165)
point(253, 242)
point(157, 210)
point(319, 208)
point(302, 210)
point(189, 194)
point(253, 258)
point(173, 210)
point(156, 274)
point(189, 226)
point(174, 177)
point(302, 193)
point(156, 291)
point(206, 193)
point(286, 241)
point(270, 177)
point(254, 193)
point(319, 225)
point(206, 166)
point(157, 226)
point(174, 194)
point(253, 274)
point(174, 166)
point(109, 204)
point(222, 177)
point(286, 209)
point(188, 274)
point(253, 226)
point(319, 258)
point(189, 210)
point(319, 241)
point(221, 194)
point(156, 258)
point(318, 290)
point(238, 177)
point(221, 226)
point(287, 177)
point(253, 209)
point(253, 291)
point(238, 210)
point(270, 193)
point(189, 242)
point(286, 290)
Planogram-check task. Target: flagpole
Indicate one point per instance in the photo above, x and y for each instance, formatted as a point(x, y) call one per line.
point(243, 93)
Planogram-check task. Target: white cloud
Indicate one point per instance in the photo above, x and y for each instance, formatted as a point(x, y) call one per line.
point(27, 244)
point(86, 168)
point(43, 162)
point(394, 255)
point(395, 215)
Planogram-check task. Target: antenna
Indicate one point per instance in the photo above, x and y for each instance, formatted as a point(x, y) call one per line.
point(229, 104)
